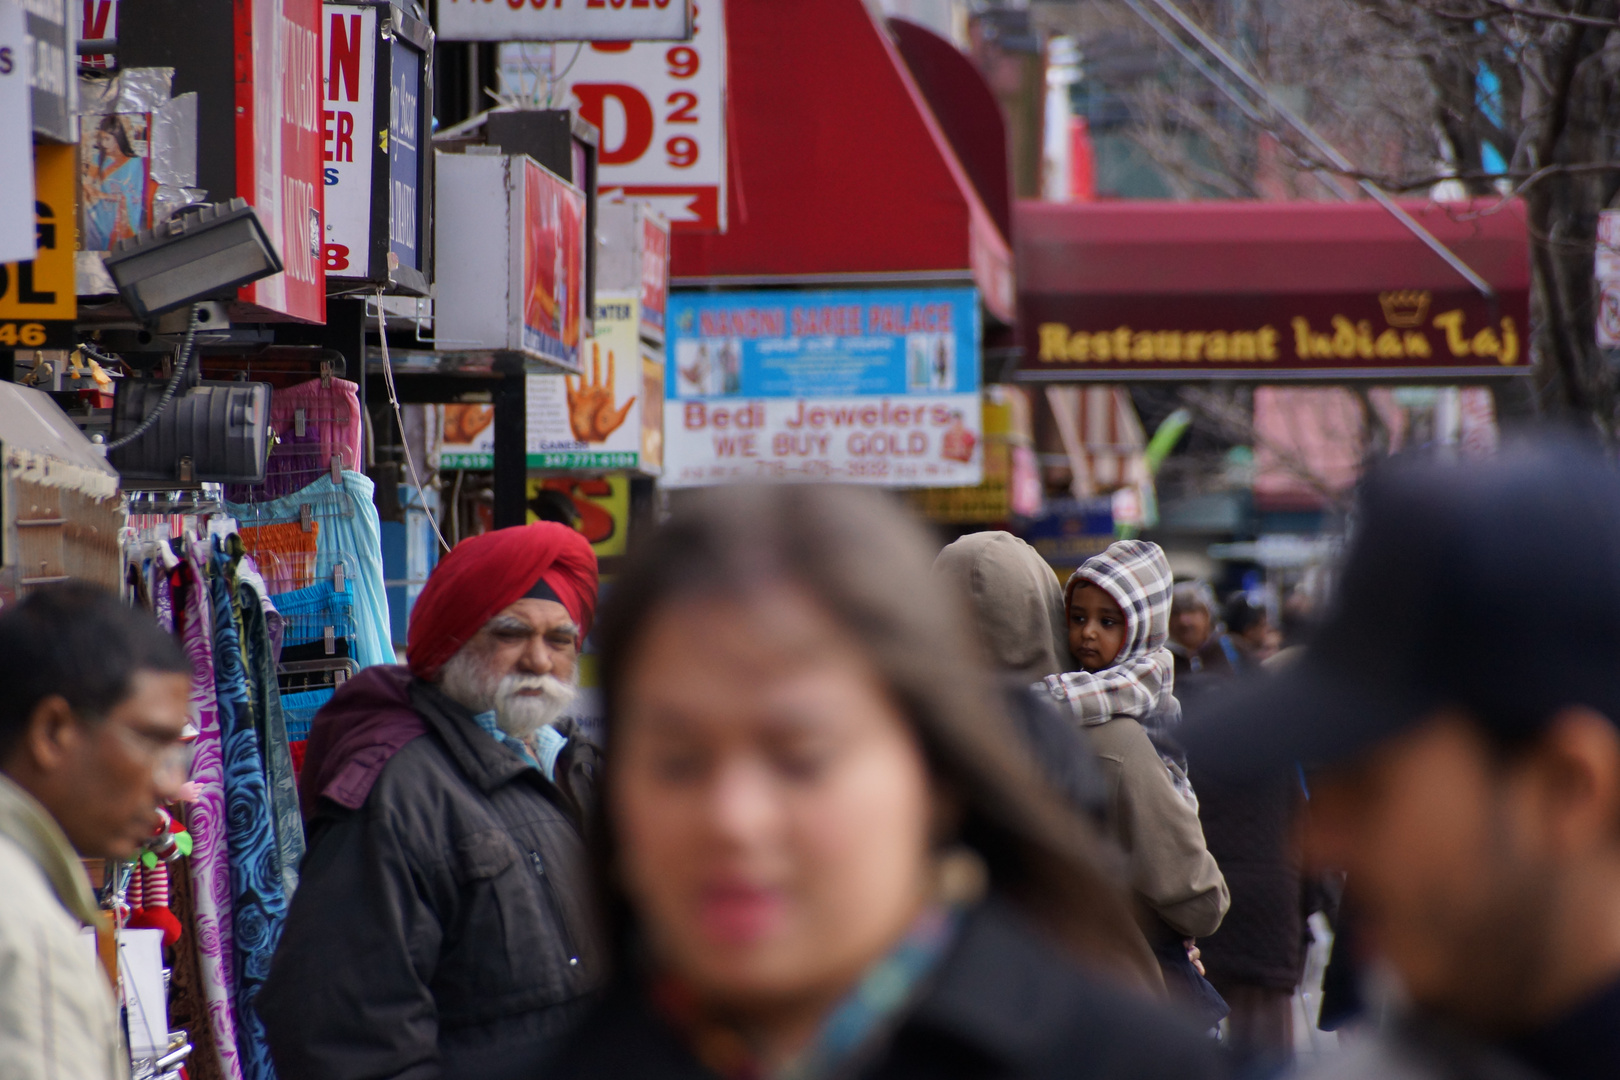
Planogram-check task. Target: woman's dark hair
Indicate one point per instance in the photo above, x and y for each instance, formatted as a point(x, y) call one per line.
point(113, 126)
point(79, 641)
point(868, 565)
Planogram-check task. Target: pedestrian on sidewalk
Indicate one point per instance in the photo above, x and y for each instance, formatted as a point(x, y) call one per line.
point(1118, 606)
point(1016, 606)
point(94, 704)
point(1196, 637)
point(1256, 958)
point(1456, 714)
point(825, 851)
point(443, 926)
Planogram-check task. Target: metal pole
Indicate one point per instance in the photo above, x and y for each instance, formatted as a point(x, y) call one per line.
point(1295, 121)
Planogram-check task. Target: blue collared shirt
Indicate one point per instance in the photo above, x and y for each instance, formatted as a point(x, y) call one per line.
point(549, 742)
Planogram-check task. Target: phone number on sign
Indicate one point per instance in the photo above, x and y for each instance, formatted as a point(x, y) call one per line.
point(931, 474)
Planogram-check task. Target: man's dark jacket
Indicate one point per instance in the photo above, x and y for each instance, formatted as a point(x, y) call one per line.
point(1005, 1004)
point(443, 926)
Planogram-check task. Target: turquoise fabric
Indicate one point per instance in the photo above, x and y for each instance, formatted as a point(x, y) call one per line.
point(349, 534)
point(300, 708)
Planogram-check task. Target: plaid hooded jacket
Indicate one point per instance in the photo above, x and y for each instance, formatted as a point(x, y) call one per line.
point(1141, 682)
point(1153, 812)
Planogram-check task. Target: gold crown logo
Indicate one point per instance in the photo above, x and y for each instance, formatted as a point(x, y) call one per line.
point(1404, 308)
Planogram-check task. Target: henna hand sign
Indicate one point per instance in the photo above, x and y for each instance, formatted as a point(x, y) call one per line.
point(591, 413)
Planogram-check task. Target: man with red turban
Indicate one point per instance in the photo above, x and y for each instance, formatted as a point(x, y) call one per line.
point(442, 926)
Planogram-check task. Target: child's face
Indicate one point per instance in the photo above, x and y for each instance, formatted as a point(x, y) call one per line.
point(1096, 627)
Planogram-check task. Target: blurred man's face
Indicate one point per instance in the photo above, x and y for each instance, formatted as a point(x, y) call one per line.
point(1456, 861)
point(1190, 626)
point(103, 781)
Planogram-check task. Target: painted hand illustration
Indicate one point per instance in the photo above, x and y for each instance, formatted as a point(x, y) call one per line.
point(591, 412)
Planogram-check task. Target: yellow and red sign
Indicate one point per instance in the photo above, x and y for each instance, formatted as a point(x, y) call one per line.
point(38, 300)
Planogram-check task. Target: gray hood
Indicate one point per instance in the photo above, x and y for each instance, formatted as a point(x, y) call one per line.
point(1017, 603)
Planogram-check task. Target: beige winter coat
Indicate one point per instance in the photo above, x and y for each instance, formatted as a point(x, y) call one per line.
point(58, 1019)
point(1171, 869)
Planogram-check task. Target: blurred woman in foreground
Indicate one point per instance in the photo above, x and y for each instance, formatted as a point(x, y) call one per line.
point(823, 850)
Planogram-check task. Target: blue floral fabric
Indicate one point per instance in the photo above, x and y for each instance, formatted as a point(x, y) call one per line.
point(259, 901)
point(271, 725)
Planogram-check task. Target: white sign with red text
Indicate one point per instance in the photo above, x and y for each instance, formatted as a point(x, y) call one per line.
point(661, 110)
point(17, 228)
point(895, 442)
point(871, 386)
point(563, 20)
point(278, 118)
point(347, 119)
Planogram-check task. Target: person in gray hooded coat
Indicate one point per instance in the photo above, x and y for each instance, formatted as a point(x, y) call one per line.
point(1017, 609)
point(1118, 605)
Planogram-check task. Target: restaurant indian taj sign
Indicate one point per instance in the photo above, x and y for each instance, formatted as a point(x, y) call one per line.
point(1401, 333)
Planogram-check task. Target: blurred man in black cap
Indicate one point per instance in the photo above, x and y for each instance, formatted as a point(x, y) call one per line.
point(1457, 717)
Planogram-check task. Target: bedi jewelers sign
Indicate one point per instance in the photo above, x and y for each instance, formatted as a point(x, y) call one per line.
point(873, 386)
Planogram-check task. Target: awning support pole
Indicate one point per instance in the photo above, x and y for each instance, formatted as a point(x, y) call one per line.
point(1295, 121)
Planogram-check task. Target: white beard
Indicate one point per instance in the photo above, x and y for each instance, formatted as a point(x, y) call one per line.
point(518, 712)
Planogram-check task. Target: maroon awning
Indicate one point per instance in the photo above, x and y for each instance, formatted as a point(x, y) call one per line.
point(1268, 290)
point(838, 171)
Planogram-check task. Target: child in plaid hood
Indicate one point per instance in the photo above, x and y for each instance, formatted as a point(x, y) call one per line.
point(1140, 680)
point(1122, 702)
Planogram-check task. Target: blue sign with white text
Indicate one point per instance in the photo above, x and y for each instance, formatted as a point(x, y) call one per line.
point(823, 344)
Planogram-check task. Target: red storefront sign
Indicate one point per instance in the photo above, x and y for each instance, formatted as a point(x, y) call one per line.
point(1267, 290)
point(654, 246)
point(278, 147)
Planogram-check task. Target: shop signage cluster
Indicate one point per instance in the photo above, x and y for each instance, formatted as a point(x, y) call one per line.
point(1606, 270)
point(860, 386)
point(1070, 531)
point(611, 415)
point(661, 110)
point(37, 297)
point(602, 503)
point(1398, 331)
point(16, 138)
point(374, 175)
point(1012, 480)
point(51, 66)
point(531, 303)
point(564, 20)
point(278, 135)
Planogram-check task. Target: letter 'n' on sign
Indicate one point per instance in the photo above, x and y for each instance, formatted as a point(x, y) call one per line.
point(343, 73)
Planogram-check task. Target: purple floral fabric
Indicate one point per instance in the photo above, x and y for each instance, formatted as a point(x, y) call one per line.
point(206, 819)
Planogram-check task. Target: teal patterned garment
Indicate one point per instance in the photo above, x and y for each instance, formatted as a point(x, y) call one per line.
point(258, 898)
point(271, 726)
point(878, 1000)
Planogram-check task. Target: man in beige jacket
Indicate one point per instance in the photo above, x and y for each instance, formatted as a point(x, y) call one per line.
point(94, 703)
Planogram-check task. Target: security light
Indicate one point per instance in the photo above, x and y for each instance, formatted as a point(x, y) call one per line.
point(207, 251)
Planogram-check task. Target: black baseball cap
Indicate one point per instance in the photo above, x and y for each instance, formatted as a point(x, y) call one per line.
point(1492, 585)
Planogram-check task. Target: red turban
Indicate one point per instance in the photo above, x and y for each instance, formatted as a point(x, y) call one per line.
point(487, 573)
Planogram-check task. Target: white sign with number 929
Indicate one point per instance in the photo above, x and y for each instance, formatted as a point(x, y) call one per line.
point(661, 110)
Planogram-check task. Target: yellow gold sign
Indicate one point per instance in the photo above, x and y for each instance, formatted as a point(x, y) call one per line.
point(43, 289)
point(1059, 343)
point(1342, 339)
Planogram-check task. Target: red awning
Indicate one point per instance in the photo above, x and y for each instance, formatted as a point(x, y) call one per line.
point(838, 171)
point(1290, 289)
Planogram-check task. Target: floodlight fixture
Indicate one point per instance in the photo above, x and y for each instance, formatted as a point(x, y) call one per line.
point(200, 253)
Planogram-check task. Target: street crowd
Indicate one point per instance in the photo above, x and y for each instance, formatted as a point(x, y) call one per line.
point(865, 808)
